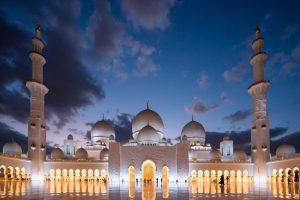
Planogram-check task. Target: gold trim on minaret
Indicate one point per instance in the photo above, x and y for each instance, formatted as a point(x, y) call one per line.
point(38, 30)
point(257, 30)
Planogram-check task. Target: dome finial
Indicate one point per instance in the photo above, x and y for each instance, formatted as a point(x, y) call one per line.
point(148, 104)
point(192, 117)
point(103, 117)
point(38, 30)
point(257, 29)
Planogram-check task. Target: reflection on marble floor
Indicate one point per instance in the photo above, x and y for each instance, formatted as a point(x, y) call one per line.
point(147, 191)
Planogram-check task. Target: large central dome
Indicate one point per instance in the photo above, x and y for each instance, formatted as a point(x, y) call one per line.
point(147, 117)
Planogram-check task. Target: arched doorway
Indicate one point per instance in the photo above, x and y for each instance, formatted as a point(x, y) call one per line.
point(131, 171)
point(131, 188)
point(165, 173)
point(103, 175)
point(148, 170)
point(296, 174)
point(2, 171)
point(10, 172)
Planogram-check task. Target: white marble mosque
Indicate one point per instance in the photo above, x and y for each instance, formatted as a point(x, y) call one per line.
point(149, 156)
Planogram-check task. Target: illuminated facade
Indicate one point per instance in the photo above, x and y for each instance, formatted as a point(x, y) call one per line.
point(149, 156)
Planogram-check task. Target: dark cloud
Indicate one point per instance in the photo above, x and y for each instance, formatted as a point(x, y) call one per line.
point(71, 86)
point(88, 135)
point(238, 116)
point(14, 64)
point(105, 32)
point(236, 73)
point(123, 127)
point(200, 107)
point(148, 14)
point(242, 138)
point(76, 131)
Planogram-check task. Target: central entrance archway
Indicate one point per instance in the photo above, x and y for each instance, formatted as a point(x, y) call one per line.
point(148, 170)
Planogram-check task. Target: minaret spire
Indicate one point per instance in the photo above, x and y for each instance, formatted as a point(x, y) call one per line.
point(36, 121)
point(257, 30)
point(38, 30)
point(260, 135)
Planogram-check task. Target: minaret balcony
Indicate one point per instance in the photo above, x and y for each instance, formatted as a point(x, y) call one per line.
point(259, 87)
point(257, 40)
point(258, 57)
point(34, 86)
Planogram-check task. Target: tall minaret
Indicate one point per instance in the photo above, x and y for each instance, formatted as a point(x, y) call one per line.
point(36, 121)
point(260, 135)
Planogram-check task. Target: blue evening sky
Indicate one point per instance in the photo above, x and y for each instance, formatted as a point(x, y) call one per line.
point(185, 57)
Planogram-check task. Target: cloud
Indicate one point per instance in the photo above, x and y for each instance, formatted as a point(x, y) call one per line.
point(296, 52)
point(104, 32)
point(237, 116)
point(148, 14)
point(289, 31)
point(110, 42)
point(225, 97)
point(236, 73)
point(88, 135)
point(290, 68)
point(202, 81)
point(144, 66)
point(71, 86)
point(275, 59)
point(76, 131)
point(122, 124)
point(200, 107)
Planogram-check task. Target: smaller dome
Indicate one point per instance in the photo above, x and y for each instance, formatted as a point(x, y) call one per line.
point(148, 135)
point(285, 150)
point(193, 131)
point(12, 149)
point(57, 154)
point(102, 129)
point(215, 155)
point(104, 154)
point(70, 137)
point(239, 155)
point(81, 154)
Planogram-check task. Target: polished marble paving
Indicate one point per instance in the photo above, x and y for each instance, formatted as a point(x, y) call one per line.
point(61, 190)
